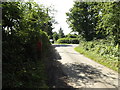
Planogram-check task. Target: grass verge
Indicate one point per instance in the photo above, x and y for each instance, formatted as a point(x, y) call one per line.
point(97, 58)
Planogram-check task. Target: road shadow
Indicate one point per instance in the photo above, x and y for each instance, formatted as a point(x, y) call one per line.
point(56, 77)
point(85, 74)
point(62, 45)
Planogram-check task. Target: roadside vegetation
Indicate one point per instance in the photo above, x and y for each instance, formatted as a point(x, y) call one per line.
point(60, 38)
point(98, 26)
point(68, 40)
point(27, 28)
point(25, 44)
point(103, 53)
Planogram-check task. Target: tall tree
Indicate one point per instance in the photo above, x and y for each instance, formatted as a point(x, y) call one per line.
point(61, 34)
point(108, 22)
point(55, 36)
point(92, 19)
point(11, 16)
point(22, 25)
point(82, 18)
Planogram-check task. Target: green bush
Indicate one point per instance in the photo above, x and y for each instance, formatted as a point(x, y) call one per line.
point(68, 40)
point(101, 47)
point(104, 49)
point(22, 65)
point(71, 36)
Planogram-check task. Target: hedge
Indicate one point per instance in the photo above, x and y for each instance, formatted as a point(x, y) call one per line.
point(68, 40)
point(23, 66)
point(107, 51)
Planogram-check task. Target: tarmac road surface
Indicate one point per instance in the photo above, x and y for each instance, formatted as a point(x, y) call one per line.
point(83, 72)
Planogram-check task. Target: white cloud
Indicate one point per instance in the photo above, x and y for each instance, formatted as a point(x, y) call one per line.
point(62, 6)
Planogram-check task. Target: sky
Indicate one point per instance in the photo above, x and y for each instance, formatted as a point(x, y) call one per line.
point(62, 6)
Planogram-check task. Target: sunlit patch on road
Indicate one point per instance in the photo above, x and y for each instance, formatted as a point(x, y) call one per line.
point(83, 72)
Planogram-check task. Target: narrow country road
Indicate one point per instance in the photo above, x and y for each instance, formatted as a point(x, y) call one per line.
point(82, 72)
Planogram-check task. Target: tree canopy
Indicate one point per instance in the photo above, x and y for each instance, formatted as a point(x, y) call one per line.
point(60, 33)
point(95, 20)
point(24, 26)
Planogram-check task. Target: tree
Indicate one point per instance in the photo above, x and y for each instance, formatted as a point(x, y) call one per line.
point(71, 36)
point(82, 18)
point(61, 34)
point(95, 20)
point(12, 15)
point(55, 36)
point(22, 25)
point(108, 22)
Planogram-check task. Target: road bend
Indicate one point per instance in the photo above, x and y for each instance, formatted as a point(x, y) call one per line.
point(83, 72)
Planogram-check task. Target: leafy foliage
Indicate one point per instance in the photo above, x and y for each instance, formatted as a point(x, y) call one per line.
point(68, 40)
point(72, 36)
point(55, 36)
point(83, 19)
point(108, 22)
point(101, 51)
point(61, 34)
point(98, 27)
point(22, 29)
point(95, 20)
